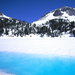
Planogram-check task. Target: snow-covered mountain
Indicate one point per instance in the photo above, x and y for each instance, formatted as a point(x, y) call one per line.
point(10, 26)
point(64, 12)
point(58, 22)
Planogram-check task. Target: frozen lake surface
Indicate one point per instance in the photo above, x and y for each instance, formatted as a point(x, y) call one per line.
point(37, 56)
point(31, 64)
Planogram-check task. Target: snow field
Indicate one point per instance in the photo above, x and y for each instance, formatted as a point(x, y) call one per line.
point(50, 46)
point(3, 73)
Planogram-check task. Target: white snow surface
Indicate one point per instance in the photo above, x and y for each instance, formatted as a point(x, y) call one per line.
point(3, 73)
point(64, 46)
point(48, 17)
point(4, 16)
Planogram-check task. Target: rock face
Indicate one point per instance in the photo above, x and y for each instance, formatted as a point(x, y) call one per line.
point(1, 14)
point(68, 10)
point(57, 13)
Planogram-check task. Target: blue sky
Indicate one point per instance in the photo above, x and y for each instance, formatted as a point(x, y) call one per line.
point(31, 10)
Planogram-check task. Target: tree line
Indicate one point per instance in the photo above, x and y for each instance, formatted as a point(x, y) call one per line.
point(54, 28)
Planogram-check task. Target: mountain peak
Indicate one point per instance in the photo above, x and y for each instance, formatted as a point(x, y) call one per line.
point(1, 14)
point(4, 16)
point(65, 12)
point(65, 7)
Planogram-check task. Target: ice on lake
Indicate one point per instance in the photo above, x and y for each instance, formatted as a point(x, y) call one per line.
point(37, 56)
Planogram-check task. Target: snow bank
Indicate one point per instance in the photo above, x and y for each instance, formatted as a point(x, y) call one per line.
point(3, 73)
point(46, 45)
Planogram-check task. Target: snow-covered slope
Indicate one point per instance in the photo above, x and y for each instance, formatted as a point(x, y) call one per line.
point(2, 15)
point(65, 12)
point(6, 16)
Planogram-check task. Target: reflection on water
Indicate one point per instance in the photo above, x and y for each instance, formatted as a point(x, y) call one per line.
point(32, 64)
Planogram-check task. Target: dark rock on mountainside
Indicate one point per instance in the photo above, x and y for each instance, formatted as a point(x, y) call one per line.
point(70, 11)
point(1, 14)
point(57, 13)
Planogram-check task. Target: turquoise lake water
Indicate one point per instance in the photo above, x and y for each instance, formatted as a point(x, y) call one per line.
point(32, 64)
